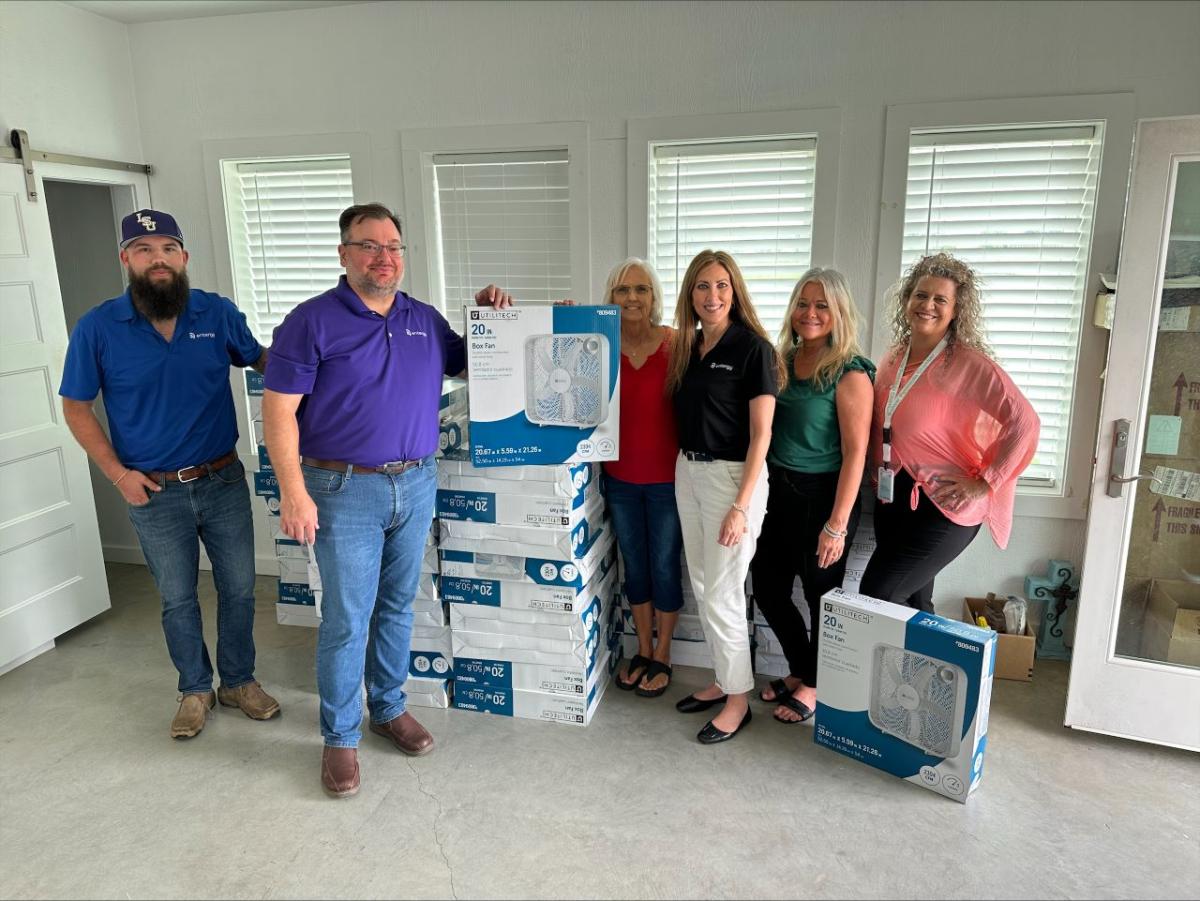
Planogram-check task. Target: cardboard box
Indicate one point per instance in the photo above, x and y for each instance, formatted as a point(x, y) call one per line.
point(523, 595)
point(430, 653)
point(515, 504)
point(575, 625)
point(463, 558)
point(428, 692)
point(565, 479)
point(544, 384)
point(287, 614)
point(1169, 630)
point(773, 665)
point(1014, 653)
point(561, 534)
point(571, 710)
point(904, 691)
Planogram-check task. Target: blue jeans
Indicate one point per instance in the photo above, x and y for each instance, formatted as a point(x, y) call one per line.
point(646, 521)
point(371, 539)
point(214, 509)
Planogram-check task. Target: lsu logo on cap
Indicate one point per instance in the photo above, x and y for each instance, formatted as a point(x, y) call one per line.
point(146, 222)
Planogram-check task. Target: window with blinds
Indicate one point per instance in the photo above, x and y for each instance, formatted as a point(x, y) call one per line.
point(1017, 205)
point(283, 232)
point(503, 217)
point(750, 197)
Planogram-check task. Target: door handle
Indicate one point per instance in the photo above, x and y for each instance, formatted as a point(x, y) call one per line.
point(1116, 465)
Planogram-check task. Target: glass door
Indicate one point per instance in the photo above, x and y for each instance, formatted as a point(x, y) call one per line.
point(1136, 666)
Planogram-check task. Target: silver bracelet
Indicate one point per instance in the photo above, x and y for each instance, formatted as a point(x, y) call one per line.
point(740, 509)
point(834, 533)
point(125, 473)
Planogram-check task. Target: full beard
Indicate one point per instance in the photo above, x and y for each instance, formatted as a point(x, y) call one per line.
point(159, 301)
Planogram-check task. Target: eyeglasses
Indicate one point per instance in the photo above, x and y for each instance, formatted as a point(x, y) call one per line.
point(628, 290)
point(372, 249)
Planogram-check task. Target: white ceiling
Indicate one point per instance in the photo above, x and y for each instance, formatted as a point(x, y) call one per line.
point(131, 11)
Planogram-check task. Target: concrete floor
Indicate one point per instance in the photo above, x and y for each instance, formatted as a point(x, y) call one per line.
point(98, 801)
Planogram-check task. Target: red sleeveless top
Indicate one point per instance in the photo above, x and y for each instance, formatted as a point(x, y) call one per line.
point(649, 444)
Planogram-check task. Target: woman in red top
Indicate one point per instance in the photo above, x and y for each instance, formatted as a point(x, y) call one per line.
point(641, 484)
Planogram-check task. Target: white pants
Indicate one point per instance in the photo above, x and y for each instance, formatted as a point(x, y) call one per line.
point(704, 493)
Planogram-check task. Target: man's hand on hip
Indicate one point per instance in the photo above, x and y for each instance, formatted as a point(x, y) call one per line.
point(491, 296)
point(299, 517)
point(134, 487)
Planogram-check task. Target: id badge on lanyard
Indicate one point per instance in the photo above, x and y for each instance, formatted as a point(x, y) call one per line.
point(887, 476)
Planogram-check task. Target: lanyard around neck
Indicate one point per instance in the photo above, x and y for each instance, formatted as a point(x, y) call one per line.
point(897, 394)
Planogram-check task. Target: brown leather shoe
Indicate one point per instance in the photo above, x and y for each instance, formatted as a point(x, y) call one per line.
point(193, 709)
point(406, 734)
point(250, 697)
point(339, 772)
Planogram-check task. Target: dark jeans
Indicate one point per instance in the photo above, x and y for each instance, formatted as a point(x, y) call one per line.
point(798, 505)
point(911, 547)
point(214, 509)
point(646, 521)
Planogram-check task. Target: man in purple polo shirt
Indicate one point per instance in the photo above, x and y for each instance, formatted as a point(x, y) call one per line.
point(350, 419)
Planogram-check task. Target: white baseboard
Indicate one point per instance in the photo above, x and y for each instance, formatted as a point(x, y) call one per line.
point(123, 553)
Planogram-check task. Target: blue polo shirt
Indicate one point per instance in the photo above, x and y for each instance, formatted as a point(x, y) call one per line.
point(371, 383)
point(169, 405)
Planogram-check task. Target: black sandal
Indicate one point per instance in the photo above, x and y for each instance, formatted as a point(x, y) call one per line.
point(638, 662)
point(780, 687)
point(656, 668)
point(798, 707)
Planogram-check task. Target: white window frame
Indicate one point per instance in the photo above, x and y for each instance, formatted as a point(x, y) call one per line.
point(823, 124)
point(355, 145)
point(418, 148)
point(1069, 499)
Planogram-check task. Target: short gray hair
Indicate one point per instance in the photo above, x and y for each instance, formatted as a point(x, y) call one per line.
point(656, 291)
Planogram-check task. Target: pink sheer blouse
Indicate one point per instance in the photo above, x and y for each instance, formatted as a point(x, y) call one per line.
point(964, 416)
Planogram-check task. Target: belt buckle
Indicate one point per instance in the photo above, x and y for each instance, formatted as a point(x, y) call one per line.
point(396, 467)
point(179, 474)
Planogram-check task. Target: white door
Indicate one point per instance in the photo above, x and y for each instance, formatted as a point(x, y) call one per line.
point(51, 570)
point(1136, 666)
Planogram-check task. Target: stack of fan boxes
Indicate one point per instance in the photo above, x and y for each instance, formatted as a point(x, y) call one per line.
point(527, 566)
point(299, 598)
point(769, 659)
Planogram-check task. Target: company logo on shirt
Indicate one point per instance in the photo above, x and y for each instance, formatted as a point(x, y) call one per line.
point(412, 333)
point(195, 335)
point(725, 366)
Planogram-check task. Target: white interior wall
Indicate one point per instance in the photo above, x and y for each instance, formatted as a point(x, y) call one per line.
point(378, 68)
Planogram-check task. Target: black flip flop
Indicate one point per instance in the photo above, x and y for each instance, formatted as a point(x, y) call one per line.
point(656, 668)
point(637, 663)
point(798, 707)
point(779, 686)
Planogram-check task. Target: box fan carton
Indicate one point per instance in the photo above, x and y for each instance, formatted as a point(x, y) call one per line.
point(904, 691)
point(544, 384)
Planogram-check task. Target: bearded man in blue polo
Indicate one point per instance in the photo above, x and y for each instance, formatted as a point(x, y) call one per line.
point(350, 419)
point(160, 353)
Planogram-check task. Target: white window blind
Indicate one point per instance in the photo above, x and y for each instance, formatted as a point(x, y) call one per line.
point(750, 197)
point(283, 232)
point(503, 217)
point(1017, 205)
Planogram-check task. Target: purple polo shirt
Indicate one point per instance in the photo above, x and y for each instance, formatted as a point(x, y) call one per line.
point(372, 384)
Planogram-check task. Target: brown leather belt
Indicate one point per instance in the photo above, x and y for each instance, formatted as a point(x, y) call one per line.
point(391, 469)
point(191, 473)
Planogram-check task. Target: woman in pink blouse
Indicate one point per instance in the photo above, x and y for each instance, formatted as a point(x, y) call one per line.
point(949, 436)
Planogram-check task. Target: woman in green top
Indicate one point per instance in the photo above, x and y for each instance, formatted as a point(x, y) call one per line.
point(818, 451)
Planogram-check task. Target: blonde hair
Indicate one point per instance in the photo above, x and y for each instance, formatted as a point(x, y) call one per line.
point(966, 329)
point(687, 323)
point(620, 270)
point(842, 343)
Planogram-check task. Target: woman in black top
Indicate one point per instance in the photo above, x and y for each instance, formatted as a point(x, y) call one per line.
point(724, 376)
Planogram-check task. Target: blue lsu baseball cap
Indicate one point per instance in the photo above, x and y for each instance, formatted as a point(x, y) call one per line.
point(149, 223)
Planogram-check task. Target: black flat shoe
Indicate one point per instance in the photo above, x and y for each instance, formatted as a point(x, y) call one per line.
point(711, 735)
point(692, 704)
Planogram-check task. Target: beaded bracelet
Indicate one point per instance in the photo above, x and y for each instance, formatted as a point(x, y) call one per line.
point(834, 533)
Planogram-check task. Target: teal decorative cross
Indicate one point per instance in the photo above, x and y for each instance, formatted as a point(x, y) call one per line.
point(1056, 590)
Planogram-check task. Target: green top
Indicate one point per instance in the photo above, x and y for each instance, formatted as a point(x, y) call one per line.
point(805, 435)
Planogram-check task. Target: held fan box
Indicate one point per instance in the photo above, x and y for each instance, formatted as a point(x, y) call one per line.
point(905, 691)
point(544, 384)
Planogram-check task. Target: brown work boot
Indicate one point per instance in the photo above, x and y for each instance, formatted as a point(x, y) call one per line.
point(193, 708)
point(406, 734)
point(339, 772)
point(255, 703)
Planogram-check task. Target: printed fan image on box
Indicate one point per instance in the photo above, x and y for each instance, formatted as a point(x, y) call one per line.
point(917, 699)
point(566, 379)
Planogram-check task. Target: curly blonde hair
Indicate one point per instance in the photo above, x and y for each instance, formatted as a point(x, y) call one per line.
point(966, 329)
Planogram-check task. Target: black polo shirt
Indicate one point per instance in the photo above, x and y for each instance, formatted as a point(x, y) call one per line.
point(712, 405)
